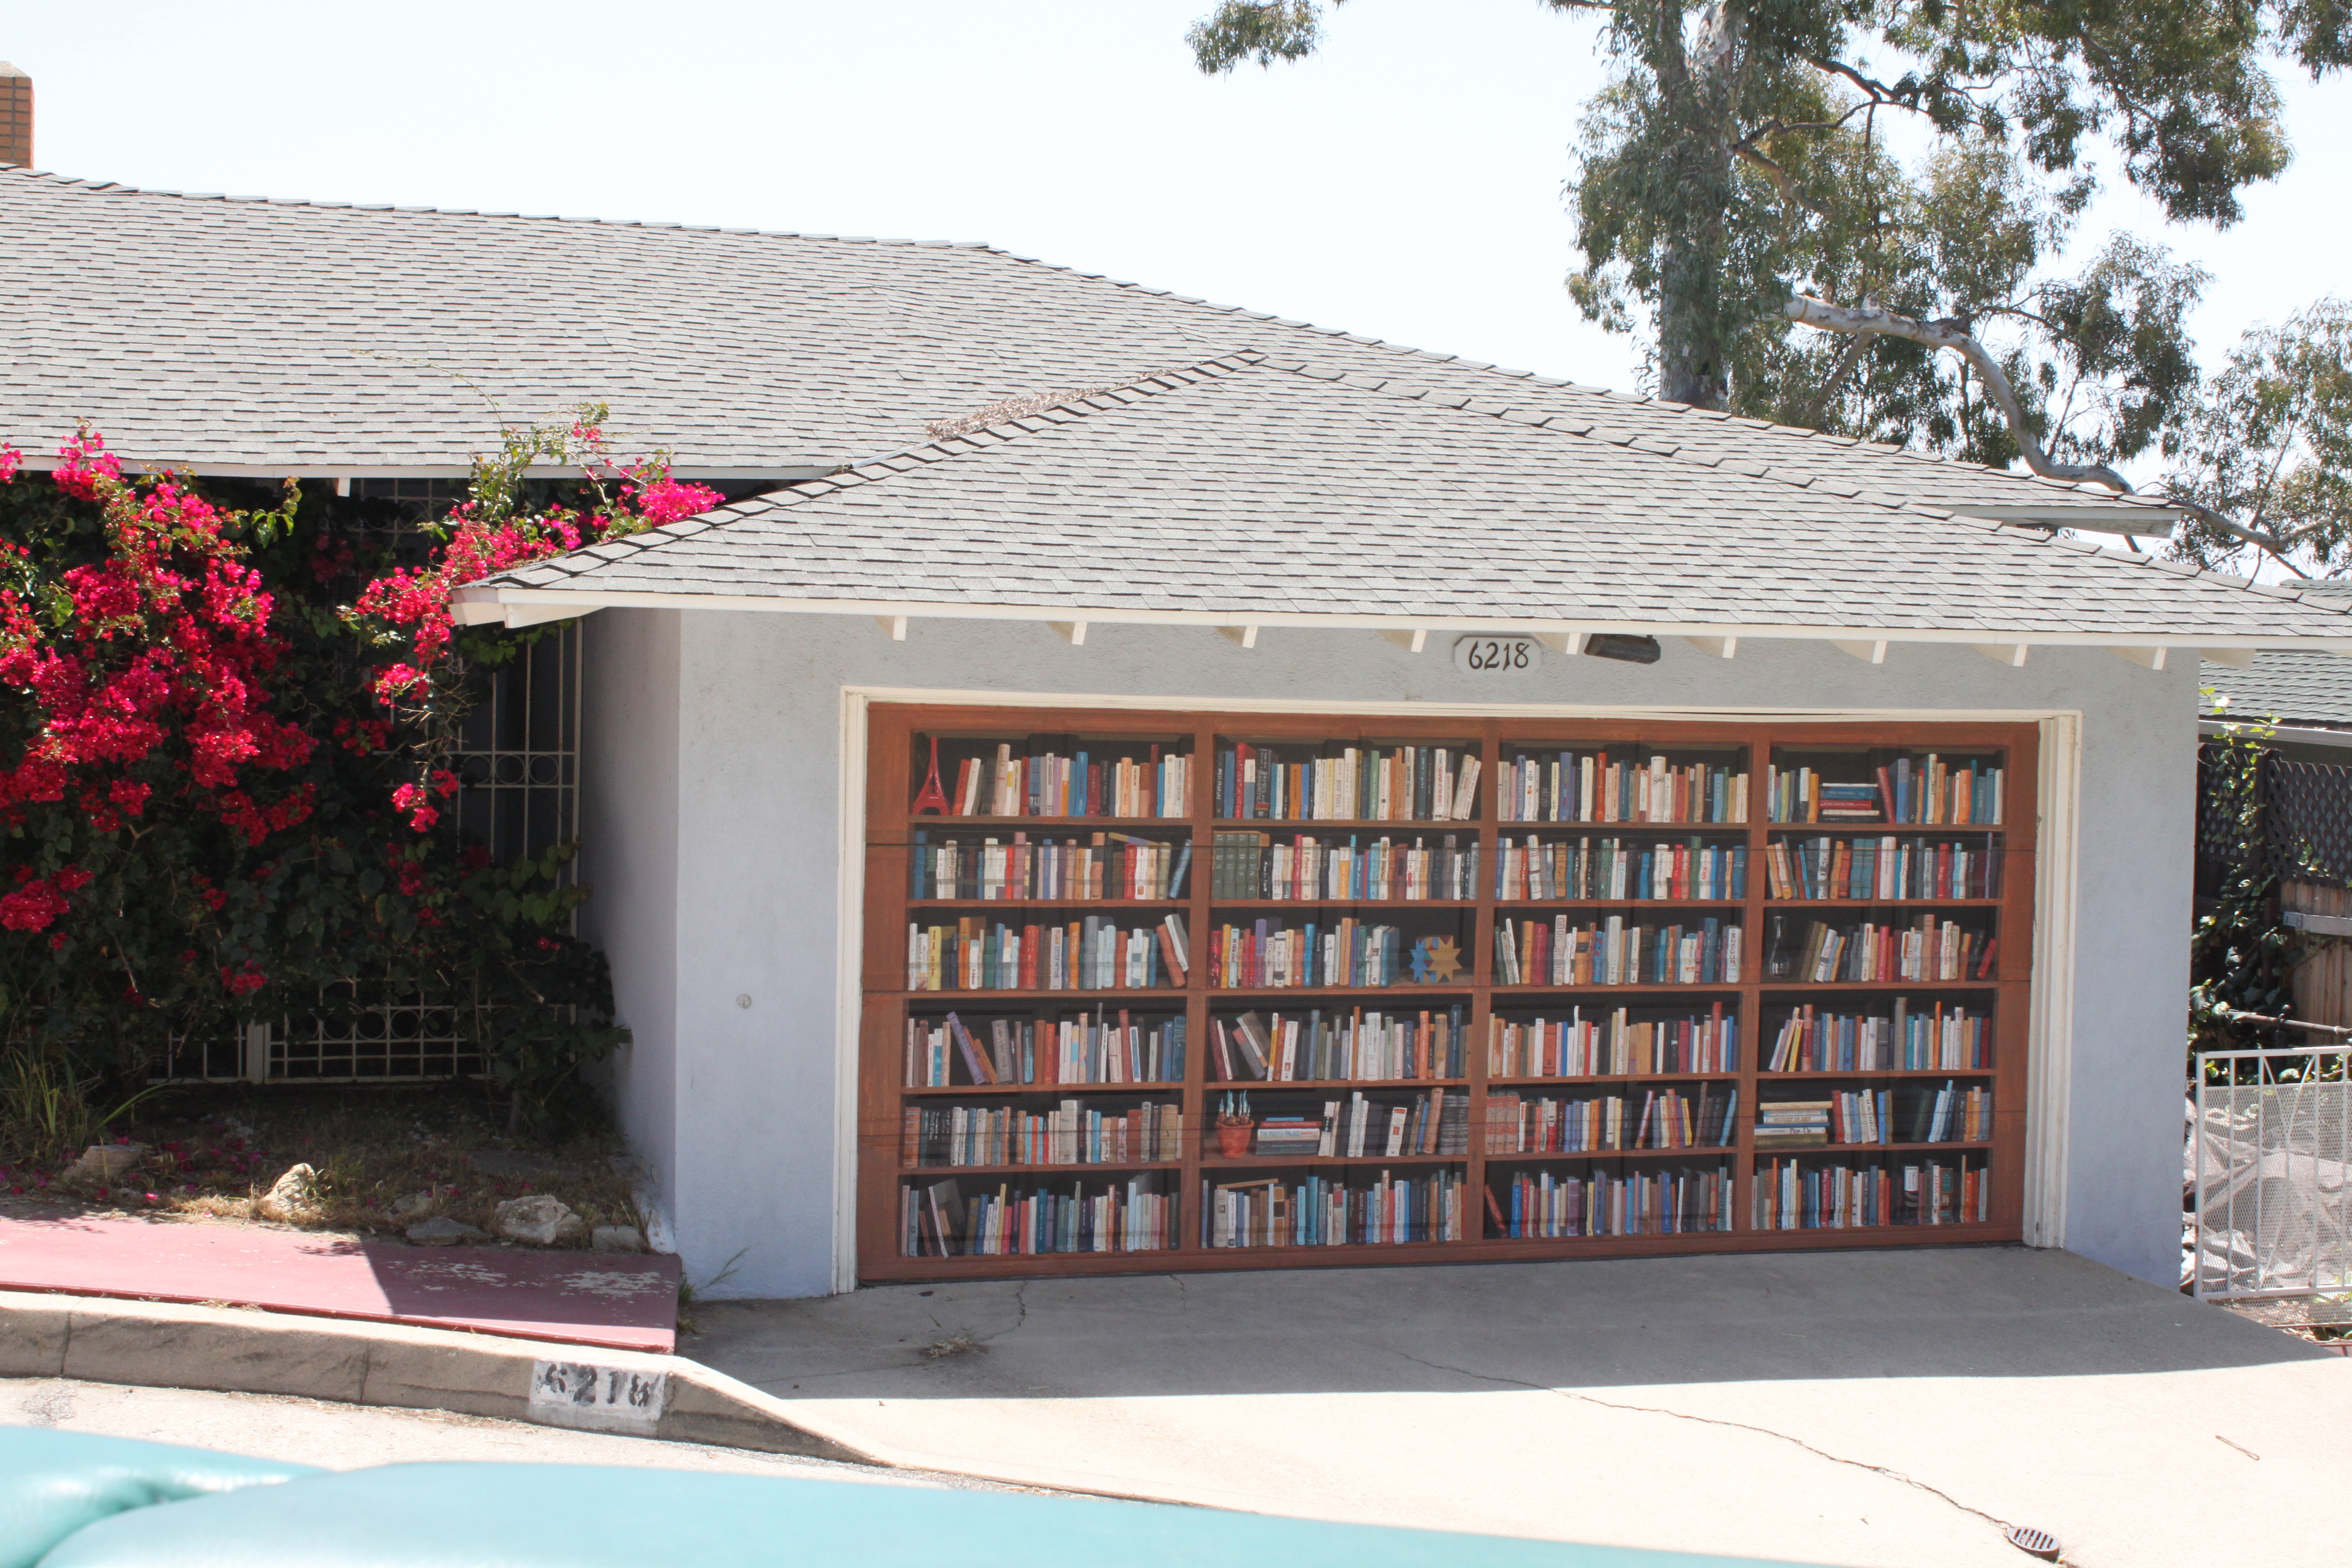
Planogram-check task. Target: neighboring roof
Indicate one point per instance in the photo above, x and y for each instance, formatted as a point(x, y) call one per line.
point(2291, 685)
point(239, 334)
point(1253, 490)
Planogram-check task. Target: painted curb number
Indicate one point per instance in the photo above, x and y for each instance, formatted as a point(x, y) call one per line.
point(582, 1394)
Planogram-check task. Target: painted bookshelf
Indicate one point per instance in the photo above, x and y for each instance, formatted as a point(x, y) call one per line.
point(1154, 990)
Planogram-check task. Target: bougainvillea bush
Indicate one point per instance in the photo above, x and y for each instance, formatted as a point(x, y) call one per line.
point(226, 720)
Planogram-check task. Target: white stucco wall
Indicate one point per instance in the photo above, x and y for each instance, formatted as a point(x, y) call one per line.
point(717, 873)
point(629, 831)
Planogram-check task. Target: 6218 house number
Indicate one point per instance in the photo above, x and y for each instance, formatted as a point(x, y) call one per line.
point(1496, 655)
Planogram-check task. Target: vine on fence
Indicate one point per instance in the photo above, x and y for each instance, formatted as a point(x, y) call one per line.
point(2239, 955)
point(224, 743)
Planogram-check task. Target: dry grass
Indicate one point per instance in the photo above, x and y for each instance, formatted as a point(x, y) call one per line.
point(386, 1158)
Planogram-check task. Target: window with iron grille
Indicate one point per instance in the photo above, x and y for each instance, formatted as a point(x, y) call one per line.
point(518, 769)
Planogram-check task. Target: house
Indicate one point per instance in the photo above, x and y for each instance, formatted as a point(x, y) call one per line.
point(1613, 703)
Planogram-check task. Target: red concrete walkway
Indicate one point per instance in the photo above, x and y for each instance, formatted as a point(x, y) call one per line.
point(624, 1301)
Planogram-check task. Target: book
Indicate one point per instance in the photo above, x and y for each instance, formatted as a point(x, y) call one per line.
point(983, 1071)
point(1792, 1124)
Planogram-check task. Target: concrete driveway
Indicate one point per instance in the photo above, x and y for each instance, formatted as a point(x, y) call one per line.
point(1878, 1408)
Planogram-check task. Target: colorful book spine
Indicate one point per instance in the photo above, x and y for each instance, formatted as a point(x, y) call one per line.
point(1613, 1045)
point(1095, 954)
point(1594, 786)
point(1817, 1195)
point(940, 1220)
point(1315, 1210)
point(1549, 1204)
point(1614, 951)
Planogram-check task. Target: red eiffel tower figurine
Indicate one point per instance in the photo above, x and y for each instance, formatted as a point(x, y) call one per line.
point(932, 797)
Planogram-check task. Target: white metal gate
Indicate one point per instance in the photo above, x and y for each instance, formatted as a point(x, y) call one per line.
point(2269, 1151)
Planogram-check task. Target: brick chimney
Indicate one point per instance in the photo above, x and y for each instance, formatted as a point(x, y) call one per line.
point(15, 115)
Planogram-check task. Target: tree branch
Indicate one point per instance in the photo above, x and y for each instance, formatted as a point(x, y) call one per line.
point(1870, 319)
point(1856, 346)
point(1866, 321)
point(1773, 171)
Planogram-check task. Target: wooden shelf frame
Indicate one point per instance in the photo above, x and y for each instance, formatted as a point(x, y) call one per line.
point(894, 772)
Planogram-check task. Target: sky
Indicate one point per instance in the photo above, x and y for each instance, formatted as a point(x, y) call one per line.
point(1406, 184)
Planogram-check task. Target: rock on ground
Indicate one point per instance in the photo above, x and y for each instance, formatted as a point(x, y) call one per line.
point(445, 1232)
point(617, 1239)
point(292, 1198)
point(539, 1219)
point(101, 1160)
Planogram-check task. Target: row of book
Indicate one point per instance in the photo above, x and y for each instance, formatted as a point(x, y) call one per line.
point(1049, 782)
point(1884, 867)
point(1940, 1036)
point(1949, 1114)
point(1870, 951)
point(1548, 1204)
point(1136, 1215)
point(1591, 787)
point(1343, 784)
point(1354, 1045)
point(1072, 1134)
point(1267, 955)
point(1369, 1046)
point(1436, 1121)
point(1048, 1052)
point(1663, 1118)
point(1249, 865)
point(1923, 792)
point(1620, 868)
point(1616, 951)
point(1332, 1211)
point(1790, 1194)
point(1109, 865)
point(1613, 1046)
point(1091, 954)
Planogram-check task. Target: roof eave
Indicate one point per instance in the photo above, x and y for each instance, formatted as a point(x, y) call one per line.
point(791, 474)
point(483, 604)
point(2293, 734)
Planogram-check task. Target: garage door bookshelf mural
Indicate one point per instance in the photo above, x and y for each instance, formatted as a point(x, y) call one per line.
point(1150, 991)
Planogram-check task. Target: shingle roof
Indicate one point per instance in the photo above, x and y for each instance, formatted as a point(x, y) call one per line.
point(2291, 685)
point(1341, 495)
point(277, 336)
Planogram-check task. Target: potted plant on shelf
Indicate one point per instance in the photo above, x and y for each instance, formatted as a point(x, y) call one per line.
point(1234, 1126)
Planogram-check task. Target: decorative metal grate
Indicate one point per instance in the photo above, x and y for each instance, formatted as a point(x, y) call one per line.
point(2270, 1151)
point(366, 1034)
point(519, 757)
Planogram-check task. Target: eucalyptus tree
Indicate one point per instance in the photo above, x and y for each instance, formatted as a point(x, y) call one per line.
point(1901, 175)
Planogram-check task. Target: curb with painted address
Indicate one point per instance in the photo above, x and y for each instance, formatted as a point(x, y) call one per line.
point(163, 1344)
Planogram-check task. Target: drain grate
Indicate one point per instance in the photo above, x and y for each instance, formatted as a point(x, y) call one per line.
point(2035, 1542)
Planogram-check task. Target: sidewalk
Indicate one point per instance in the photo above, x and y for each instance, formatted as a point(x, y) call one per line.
point(619, 1300)
point(1873, 1408)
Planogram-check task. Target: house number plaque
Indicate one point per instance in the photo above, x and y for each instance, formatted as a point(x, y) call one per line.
point(1496, 655)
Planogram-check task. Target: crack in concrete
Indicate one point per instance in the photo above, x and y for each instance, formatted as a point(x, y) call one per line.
point(1892, 1475)
point(794, 1379)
